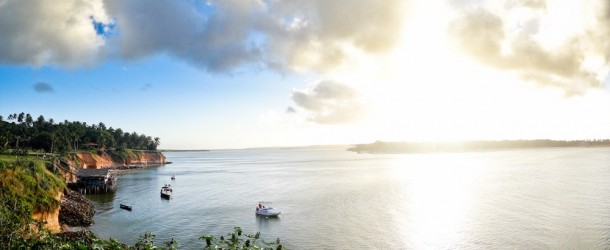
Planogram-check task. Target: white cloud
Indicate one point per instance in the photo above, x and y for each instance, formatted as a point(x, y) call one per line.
point(330, 102)
point(215, 35)
point(554, 43)
point(49, 32)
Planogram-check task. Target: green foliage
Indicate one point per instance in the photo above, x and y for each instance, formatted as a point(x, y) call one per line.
point(119, 155)
point(26, 186)
point(87, 240)
point(72, 240)
point(14, 218)
point(238, 240)
point(146, 241)
point(30, 182)
point(22, 133)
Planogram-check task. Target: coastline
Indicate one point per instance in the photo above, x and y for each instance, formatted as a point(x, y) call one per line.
point(77, 212)
point(381, 147)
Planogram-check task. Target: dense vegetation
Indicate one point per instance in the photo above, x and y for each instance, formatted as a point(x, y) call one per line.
point(27, 185)
point(21, 133)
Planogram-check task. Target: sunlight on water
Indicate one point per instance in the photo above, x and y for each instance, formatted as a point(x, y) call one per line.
point(333, 199)
point(439, 190)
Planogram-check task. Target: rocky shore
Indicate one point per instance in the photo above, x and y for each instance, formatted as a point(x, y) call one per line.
point(76, 210)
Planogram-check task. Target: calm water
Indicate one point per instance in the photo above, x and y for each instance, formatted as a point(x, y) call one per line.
point(333, 199)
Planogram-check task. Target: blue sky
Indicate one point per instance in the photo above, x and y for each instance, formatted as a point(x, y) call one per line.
point(159, 97)
point(259, 73)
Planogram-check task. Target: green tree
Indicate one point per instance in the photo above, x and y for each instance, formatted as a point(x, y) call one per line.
point(102, 126)
point(43, 141)
point(28, 120)
point(20, 117)
point(40, 121)
point(157, 142)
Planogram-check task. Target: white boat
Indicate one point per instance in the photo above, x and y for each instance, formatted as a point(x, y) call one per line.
point(264, 209)
point(166, 191)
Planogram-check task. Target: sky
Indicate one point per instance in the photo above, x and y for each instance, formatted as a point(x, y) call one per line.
point(222, 74)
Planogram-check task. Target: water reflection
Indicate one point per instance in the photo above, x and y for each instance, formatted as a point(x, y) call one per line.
point(101, 198)
point(439, 195)
point(103, 202)
point(263, 223)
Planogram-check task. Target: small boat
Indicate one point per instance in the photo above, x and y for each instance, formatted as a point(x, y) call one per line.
point(173, 177)
point(264, 209)
point(166, 191)
point(125, 207)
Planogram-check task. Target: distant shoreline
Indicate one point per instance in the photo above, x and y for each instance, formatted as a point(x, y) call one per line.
point(184, 150)
point(380, 147)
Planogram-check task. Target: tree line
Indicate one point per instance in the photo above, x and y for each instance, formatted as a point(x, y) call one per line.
point(22, 132)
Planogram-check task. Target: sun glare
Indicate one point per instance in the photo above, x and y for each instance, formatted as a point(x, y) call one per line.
point(439, 190)
point(428, 90)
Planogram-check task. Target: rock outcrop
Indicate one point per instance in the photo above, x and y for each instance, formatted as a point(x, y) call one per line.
point(76, 210)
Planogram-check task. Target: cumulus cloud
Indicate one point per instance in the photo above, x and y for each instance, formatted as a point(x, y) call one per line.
point(49, 32)
point(330, 102)
point(517, 37)
point(317, 33)
point(213, 38)
point(42, 87)
point(218, 35)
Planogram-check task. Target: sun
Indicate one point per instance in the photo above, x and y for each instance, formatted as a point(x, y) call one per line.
point(428, 90)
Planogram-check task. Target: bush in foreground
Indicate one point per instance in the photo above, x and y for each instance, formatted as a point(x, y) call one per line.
point(238, 240)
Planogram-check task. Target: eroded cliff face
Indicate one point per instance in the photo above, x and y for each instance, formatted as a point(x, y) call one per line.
point(148, 157)
point(50, 218)
point(90, 160)
point(106, 159)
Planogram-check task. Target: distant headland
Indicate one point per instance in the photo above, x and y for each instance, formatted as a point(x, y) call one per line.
point(380, 147)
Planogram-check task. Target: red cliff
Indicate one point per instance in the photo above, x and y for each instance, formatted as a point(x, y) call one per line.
point(112, 159)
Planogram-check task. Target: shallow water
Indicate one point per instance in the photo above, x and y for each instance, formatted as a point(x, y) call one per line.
point(333, 199)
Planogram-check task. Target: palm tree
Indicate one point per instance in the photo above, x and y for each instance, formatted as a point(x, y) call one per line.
point(157, 142)
point(28, 120)
point(20, 117)
point(101, 126)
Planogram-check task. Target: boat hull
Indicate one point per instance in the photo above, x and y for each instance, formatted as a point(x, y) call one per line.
point(166, 192)
point(268, 212)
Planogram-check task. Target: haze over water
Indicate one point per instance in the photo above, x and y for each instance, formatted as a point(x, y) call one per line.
point(333, 199)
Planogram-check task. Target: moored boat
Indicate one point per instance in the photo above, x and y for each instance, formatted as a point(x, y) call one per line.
point(264, 209)
point(123, 206)
point(166, 191)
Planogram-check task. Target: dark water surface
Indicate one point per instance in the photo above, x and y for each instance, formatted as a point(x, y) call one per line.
point(332, 199)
